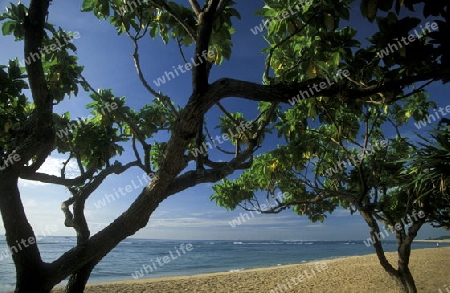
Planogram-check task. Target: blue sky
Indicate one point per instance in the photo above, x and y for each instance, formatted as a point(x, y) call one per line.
point(189, 214)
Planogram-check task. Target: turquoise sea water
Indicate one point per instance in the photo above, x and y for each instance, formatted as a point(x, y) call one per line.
point(140, 258)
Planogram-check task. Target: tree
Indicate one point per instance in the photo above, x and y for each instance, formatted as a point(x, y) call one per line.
point(355, 155)
point(305, 50)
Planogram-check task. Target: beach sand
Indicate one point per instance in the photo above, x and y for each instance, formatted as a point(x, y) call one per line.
point(430, 268)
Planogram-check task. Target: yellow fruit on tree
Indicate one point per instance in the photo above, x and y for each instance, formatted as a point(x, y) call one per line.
point(158, 14)
point(211, 58)
point(311, 72)
point(273, 166)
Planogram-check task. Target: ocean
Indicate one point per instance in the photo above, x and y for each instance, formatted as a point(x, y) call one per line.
point(142, 258)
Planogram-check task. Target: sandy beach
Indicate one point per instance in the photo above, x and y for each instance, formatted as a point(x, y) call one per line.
point(430, 267)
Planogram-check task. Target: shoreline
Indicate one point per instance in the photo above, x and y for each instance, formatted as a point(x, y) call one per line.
point(430, 240)
point(343, 274)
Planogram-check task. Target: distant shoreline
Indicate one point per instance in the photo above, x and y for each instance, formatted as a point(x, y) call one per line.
point(431, 240)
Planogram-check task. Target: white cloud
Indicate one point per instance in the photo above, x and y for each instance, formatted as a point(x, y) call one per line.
point(193, 220)
point(315, 226)
point(197, 214)
point(52, 166)
point(30, 203)
point(184, 222)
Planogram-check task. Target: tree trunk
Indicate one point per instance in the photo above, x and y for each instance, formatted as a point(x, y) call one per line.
point(402, 275)
point(406, 280)
point(30, 270)
point(404, 242)
point(78, 280)
point(32, 280)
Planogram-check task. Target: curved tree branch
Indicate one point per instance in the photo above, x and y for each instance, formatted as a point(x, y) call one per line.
point(228, 87)
point(46, 178)
point(52, 179)
point(195, 7)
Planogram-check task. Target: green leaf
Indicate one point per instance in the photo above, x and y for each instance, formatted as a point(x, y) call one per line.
point(329, 21)
point(8, 27)
point(88, 5)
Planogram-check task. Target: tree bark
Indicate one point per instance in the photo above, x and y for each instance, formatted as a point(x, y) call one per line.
point(404, 277)
point(78, 280)
point(404, 241)
point(31, 273)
